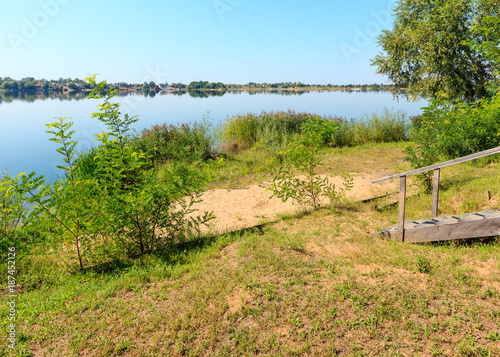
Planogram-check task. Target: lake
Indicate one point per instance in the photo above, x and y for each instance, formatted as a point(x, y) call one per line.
point(24, 145)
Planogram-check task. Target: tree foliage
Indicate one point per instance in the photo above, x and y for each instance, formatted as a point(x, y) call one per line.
point(435, 47)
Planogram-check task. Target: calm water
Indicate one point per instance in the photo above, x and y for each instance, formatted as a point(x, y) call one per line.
point(24, 145)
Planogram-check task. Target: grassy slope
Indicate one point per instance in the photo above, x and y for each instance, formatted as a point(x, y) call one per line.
point(312, 284)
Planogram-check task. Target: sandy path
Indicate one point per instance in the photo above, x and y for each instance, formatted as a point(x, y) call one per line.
point(249, 206)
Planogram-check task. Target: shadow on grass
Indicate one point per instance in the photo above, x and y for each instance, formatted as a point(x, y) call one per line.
point(469, 242)
point(177, 254)
point(206, 241)
point(455, 181)
point(393, 205)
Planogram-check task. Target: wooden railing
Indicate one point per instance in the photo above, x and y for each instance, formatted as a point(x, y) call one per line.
point(435, 185)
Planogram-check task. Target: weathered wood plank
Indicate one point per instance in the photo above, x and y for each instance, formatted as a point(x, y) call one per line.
point(435, 193)
point(469, 229)
point(443, 164)
point(402, 202)
point(481, 219)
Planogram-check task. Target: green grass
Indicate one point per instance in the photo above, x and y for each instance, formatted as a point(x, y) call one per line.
point(313, 284)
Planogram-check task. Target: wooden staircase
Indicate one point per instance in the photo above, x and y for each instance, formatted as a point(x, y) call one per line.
point(469, 225)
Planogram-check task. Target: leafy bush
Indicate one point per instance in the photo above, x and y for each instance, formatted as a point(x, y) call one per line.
point(146, 207)
point(322, 129)
point(424, 152)
point(448, 131)
point(11, 206)
point(468, 128)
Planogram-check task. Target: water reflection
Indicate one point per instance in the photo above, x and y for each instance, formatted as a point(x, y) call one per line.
point(8, 97)
point(206, 94)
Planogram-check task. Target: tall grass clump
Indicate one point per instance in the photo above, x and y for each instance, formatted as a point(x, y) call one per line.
point(85, 164)
point(277, 129)
point(390, 126)
point(185, 142)
point(239, 132)
point(274, 130)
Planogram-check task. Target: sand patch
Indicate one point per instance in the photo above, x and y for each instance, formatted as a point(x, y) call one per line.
point(375, 273)
point(237, 300)
point(489, 272)
point(250, 206)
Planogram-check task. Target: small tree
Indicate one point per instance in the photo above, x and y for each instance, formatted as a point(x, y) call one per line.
point(117, 204)
point(12, 210)
point(71, 205)
point(301, 157)
point(145, 207)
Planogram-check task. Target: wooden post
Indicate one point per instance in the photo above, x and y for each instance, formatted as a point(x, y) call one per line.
point(435, 194)
point(401, 217)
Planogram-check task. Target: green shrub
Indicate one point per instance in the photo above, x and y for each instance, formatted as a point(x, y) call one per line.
point(469, 128)
point(11, 207)
point(447, 131)
point(322, 129)
point(145, 207)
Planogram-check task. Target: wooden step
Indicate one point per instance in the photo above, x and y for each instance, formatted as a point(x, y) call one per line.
point(469, 225)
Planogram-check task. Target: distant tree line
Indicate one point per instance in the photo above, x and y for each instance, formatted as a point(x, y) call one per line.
point(202, 85)
point(289, 85)
point(30, 84)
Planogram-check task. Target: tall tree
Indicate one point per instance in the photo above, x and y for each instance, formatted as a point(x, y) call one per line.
point(429, 49)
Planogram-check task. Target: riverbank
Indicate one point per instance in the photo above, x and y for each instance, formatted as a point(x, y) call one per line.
point(308, 283)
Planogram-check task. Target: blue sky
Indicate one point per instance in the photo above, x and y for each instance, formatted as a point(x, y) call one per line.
point(232, 41)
